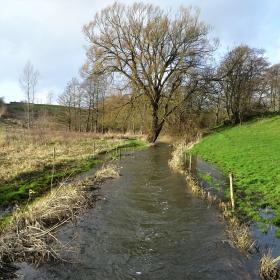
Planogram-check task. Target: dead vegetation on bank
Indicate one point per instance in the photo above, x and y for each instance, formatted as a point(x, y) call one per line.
point(30, 235)
point(111, 171)
point(178, 160)
point(178, 156)
point(239, 233)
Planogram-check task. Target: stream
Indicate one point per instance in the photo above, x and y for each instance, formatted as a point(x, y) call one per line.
point(147, 225)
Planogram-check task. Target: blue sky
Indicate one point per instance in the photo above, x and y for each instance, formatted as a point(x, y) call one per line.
point(48, 33)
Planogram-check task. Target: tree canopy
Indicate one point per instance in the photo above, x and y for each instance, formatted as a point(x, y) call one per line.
point(160, 53)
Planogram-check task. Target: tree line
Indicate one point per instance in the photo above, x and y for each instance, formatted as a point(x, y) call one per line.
point(165, 67)
point(84, 104)
point(168, 58)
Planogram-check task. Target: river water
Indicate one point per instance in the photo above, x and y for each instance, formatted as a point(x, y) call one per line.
point(148, 225)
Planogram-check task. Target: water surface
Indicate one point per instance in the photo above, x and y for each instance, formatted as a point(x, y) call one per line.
point(148, 225)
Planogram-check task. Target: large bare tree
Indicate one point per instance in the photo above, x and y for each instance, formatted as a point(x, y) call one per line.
point(28, 82)
point(159, 52)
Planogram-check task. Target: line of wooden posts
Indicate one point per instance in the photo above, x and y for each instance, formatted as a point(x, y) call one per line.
point(231, 189)
point(118, 154)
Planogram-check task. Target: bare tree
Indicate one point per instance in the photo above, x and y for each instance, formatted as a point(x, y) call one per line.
point(95, 87)
point(28, 82)
point(273, 82)
point(242, 71)
point(72, 100)
point(66, 100)
point(157, 51)
point(50, 97)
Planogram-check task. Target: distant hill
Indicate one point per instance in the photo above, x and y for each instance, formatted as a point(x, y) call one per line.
point(15, 114)
point(17, 109)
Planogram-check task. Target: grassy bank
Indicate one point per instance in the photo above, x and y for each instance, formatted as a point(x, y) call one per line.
point(27, 162)
point(251, 152)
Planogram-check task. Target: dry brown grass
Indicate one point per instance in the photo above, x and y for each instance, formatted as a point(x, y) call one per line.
point(269, 267)
point(31, 233)
point(240, 235)
point(200, 192)
point(26, 151)
point(238, 232)
point(177, 161)
point(108, 171)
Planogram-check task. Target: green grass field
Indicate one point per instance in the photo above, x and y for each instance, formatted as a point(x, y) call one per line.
point(252, 153)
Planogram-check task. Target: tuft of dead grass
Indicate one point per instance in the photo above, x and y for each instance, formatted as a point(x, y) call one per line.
point(178, 158)
point(177, 161)
point(240, 235)
point(269, 267)
point(108, 171)
point(31, 233)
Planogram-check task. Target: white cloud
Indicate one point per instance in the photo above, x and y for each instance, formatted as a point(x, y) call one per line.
point(10, 91)
point(48, 33)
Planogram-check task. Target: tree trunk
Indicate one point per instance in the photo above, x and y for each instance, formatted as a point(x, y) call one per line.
point(88, 117)
point(156, 125)
point(28, 115)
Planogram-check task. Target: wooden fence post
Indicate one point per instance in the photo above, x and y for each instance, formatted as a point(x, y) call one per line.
point(94, 148)
point(53, 167)
point(231, 191)
point(190, 163)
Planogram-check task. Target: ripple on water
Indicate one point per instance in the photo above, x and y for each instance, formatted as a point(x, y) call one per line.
point(149, 227)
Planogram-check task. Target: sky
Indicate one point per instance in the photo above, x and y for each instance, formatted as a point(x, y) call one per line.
point(49, 34)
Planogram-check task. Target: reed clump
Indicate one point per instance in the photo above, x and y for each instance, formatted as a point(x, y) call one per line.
point(178, 156)
point(240, 235)
point(31, 233)
point(269, 267)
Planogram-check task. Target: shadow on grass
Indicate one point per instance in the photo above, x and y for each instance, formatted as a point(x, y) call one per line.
point(17, 190)
point(252, 119)
point(38, 181)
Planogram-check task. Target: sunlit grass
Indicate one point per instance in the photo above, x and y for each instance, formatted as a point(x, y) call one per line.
point(252, 153)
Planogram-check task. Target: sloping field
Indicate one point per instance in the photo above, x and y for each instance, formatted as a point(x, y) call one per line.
point(252, 153)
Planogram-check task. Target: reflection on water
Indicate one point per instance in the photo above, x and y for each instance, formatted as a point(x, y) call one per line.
point(148, 226)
